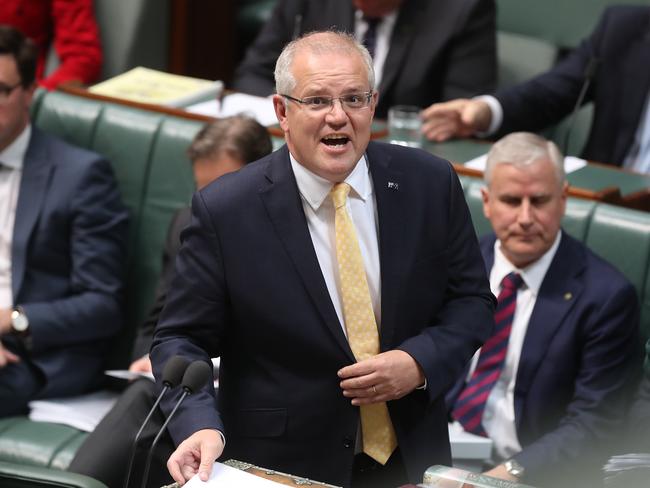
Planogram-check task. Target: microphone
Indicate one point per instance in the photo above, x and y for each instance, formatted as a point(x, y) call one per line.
point(197, 375)
point(590, 72)
point(172, 375)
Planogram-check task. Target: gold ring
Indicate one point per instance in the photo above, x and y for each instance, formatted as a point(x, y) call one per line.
point(374, 388)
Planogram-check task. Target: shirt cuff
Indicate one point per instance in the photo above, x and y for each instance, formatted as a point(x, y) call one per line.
point(496, 112)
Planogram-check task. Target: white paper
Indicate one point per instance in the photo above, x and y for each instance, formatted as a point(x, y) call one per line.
point(465, 445)
point(571, 163)
point(83, 412)
point(223, 476)
point(260, 108)
point(125, 374)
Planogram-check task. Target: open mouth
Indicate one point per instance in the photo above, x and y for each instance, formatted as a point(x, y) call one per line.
point(335, 140)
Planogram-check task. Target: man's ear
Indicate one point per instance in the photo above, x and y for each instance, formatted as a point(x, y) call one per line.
point(485, 196)
point(280, 107)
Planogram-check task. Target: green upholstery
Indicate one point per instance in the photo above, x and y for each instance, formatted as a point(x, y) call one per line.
point(20, 476)
point(520, 57)
point(561, 23)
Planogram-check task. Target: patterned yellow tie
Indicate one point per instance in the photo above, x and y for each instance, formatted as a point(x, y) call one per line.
point(379, 439)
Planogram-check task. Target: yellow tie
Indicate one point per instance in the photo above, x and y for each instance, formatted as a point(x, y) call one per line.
point(379, 439)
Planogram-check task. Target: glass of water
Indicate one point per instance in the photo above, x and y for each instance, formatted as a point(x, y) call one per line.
point(405, 125)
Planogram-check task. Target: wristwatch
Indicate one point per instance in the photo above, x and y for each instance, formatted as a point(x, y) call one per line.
point(514, 468)
point(19, 322)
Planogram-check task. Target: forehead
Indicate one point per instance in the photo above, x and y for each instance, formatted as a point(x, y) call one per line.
point(329, 71)
point(8, 69)
point(537, 177)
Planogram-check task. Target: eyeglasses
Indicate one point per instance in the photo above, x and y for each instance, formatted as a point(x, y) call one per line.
point(352, 101)
point(5, 90)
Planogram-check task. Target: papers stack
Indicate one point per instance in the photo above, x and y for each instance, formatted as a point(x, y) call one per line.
point(629, 470)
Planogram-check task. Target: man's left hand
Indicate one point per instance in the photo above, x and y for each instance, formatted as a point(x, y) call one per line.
point(501, 472)
point(387, 376)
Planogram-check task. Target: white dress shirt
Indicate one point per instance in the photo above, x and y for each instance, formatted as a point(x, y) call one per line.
point(384, 35)
point(499, 414)
point(11, 171)
point(319, 211)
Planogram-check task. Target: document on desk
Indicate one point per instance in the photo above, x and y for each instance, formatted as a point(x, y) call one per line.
point(226, 477)
point(83, 412)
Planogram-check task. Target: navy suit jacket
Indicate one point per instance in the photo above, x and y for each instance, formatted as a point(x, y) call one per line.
point(249, 289)
point(440, 49)
point(581, 352)
point(621, 43)
point(68, 260)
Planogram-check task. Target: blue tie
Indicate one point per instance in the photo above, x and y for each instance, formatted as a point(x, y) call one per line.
point(370, 37)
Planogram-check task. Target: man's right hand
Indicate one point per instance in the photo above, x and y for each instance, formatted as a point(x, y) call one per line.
point(457, 118)
point(142, 365)
point(196, 454)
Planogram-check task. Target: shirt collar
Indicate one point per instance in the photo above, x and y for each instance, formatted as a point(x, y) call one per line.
point(13, 155)
point(314, 189)
point(533, 274)
point(386, 19)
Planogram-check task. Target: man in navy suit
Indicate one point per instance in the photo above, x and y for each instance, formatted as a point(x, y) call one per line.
point(614, 53)
point(62, 248)
point(423, 51)
point(259, 284)
point(572, 345)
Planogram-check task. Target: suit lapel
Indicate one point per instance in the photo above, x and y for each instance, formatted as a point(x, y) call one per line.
point(392, 209)
point(633, 96)
point(37, 169)
point(560, 290)
point(403, 33)
point(284, 207)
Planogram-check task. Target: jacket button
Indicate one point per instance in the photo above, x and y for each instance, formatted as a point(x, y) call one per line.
point(347, 443)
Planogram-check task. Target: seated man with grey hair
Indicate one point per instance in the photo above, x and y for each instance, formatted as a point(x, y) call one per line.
point(550, 383)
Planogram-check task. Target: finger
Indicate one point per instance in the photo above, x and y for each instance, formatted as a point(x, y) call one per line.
point(174, 468)
point(357, 369)
point(209, 453)
point(11, 357)
point(440, 132)
point(359, 382)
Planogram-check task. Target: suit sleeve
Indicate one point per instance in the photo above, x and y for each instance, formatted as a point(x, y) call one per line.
point(194, 319)
point(466, 317)
point(92, 310)
point(546, 99)
point(76, 41)
point(471, 58)
point(611, 353)
point(255, 73)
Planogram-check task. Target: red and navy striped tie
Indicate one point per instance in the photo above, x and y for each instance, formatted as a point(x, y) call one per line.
point(470, 405)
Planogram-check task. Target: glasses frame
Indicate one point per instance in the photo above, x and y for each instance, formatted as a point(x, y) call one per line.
point(328, 107)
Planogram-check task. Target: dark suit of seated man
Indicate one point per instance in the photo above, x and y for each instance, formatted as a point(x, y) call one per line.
point(423, 52)
point(62, 249)
point(552, 381)
point(221, 147)
point(339, 281)
point(619, 89)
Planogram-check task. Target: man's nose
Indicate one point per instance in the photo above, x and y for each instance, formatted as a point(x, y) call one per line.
point(525, 216)
point(337, 114)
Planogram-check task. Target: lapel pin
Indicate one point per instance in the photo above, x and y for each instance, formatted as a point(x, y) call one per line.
point(393, 186)
point(568, 296)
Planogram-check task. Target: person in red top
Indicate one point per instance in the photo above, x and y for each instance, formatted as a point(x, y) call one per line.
point(70, 26)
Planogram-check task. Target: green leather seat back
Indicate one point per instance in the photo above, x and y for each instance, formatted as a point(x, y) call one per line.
point(475, 204)
point(170, 184)
point(520, 57)
point(577, 217)
point(14, 475)
point(622, 237)
point(71, 118)
point(561, 23)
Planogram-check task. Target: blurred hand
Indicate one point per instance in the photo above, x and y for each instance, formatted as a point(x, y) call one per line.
point(457, 118)
point(142, 365)
point(196, 454)
point(387, 376)
point(6, 356)
point(5, 321)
